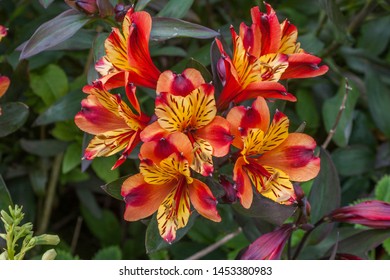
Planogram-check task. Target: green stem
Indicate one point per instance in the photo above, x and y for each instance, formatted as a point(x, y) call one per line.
point(55, 171)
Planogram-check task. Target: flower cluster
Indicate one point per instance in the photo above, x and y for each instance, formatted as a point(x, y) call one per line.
point(193, 124)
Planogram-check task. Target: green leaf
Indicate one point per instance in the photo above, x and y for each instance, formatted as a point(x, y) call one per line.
point(382, 189)
point(168, 51)
point(371, 31)
point(311, 43)
point(201, 68)
point(108, 253)
point(43, 148)
point(336, 17)
point(5, 197)
point(102, 167)
point(386, 245)
point(53, 32)
point(266, 209)
point(167, 28)
point(66, 131)
point(141, 4)
point(72, 157)
point(353, 160)
point(359, 244)
point(106, 228)
point(114, 188)
point(13, 117)
point(324, 195)
point(332, 107)
point(176, 8)
point(378, 100)
point(51, 84)
point(153, 240)
point(46, 3)
point(38, 177)
point(88, 200)
point(306, 109)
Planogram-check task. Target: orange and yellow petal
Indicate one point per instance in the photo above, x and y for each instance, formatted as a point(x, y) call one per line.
point(174, 211)
point(288, 42)
point(253, 142)
point(303, 65)
point(141, 198)
point(276, 133)
point(159, 149)
point(273, 66)
point(295, 156)
point(217, 134)
point(179, 84)
point(203, 160)
point(104, 66)
point(242, 183)
point(4, 84)
point(96, 119)
point(153, 132)
point(109, 143)
point(116, 50)
point(203, 200)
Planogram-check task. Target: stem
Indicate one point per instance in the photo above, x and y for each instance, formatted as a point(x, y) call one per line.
point(214, 246)
point(304, 238)
point(76, 235)
point(55, 171)
point(338, 117)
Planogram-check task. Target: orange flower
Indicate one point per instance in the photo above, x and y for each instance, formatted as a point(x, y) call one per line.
point(127, 54)
point(189, 107)
point(266, 36)
point(165, 185)
point(4, 84)
point(112, 121)
point(270, 158)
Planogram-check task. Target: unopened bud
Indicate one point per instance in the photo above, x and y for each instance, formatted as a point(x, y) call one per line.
point(4, 256)
point(120, 11)
point(6, 218)
point(86, 6)
point(49, 255)
point(47, 239)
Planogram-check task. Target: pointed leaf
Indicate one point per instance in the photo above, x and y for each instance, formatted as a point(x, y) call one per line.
point(72, 157)
point(201, 68)
point(167, 28)
point(43, 148)
point(114, 188)
point(5, 197)
point(324, 195)
point(46, 3)
point(378, 100)
point(360, 159)
point(102, 167)
point(53, 32)
point(141, 4)
point(176, 8)
point(382, 189)
point(153, 240)
point(336, 17)
point(13, 117)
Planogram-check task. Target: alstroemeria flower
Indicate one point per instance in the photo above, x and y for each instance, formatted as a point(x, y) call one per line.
point(190, 108)
point(372, 213)
point(4, 84)
point(269, 158)
point(127, 54)
point(269, 246)
point(165, 185)
point(115, 126)
point(266, 37)
point(3, 32)
point(245, 76)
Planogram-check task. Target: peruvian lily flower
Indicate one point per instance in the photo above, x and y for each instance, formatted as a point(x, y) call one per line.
point(127, 54)
point(372, 213)
point(269, 246)
point(115, 126)
point(4, 84)
point(245, 76)
point(165, 185)
point(266, 37)
point(269, 158)
point(186, 104)
point(3, 32)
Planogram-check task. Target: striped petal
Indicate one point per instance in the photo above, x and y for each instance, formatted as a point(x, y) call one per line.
point(276, 133)
point(179, 84)
point(253, 142)
point(116, 50)
point(288, 43)
point(295, 156)
point(203, 200)
point(142, 199)
point(273, 66)
point(303, 65)
point(217, 133)
point(203, 160)
point(174, 211)
point(243, 184)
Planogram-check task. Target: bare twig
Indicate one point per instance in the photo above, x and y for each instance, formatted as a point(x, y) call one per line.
point(214, 246)
point(50, 192)
point(332, 131)
point(76, 234)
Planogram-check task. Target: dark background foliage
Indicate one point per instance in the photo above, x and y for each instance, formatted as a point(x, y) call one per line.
point(40, 146)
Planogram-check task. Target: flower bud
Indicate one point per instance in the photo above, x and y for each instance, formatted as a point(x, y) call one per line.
point(221, 70)
point(47, 239)
point(230, 195)
point(3, 32)
point(49, 255)
point(120, 11)
point(269, 246)
point(372, 213)
point(7, 219)
point(86, 6)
